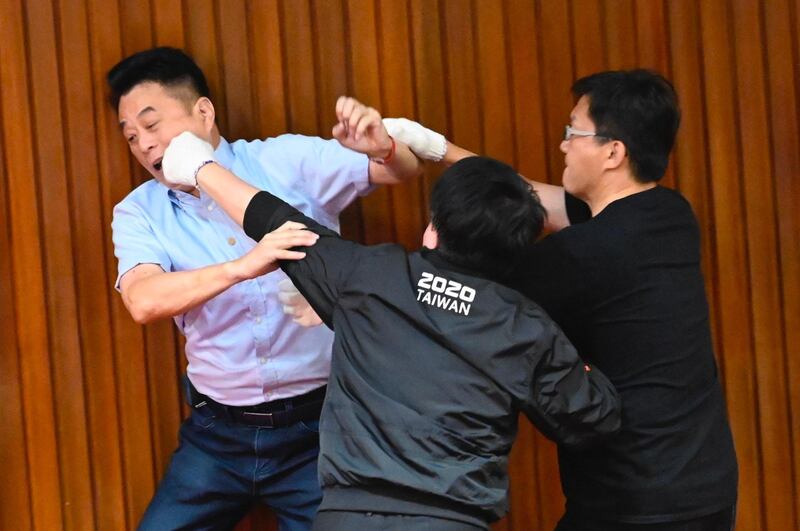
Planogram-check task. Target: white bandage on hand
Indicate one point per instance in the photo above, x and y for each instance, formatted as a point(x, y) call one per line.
point(425, 143)
point(184, 157)
point(296, 305)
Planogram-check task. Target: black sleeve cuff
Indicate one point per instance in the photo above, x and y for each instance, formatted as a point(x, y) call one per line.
point(259, 217)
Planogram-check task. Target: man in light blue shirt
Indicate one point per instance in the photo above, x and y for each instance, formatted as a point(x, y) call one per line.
point(256, 378)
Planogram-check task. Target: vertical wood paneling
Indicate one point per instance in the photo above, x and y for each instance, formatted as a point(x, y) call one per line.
point(461, 74)
point(299, 67)
point(64, 346)
point(90, 400)
point(266, 51)
point(759, 212)
point(784, 120)
point(28, 283)
point(15, 511)
point(735, 332)
point(620, 34)
point(236, 67)
point(492, 69)
point(587, 34)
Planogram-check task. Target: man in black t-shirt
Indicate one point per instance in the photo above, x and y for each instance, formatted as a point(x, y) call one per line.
point(623, 279)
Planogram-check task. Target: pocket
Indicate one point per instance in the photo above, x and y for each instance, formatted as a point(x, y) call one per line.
point(203, 417)
point(311, 426)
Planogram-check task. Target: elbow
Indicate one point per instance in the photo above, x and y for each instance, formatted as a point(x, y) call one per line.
point(142, 311)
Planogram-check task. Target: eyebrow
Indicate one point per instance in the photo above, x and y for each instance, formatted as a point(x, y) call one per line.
point(143, 111)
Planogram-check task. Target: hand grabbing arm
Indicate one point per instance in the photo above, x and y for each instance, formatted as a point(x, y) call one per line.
point(360, 128)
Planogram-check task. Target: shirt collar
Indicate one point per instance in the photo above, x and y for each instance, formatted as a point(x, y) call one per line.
point(435, 257)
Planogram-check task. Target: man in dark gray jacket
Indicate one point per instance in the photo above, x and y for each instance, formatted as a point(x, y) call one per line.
point(432, 360)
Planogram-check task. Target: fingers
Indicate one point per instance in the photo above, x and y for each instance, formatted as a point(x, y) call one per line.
point(354, 118)
point(285, 254)
point(289, 225)
point(286, 238)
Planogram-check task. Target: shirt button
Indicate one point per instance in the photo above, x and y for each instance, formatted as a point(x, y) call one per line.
point(258, 320)
point(210, 207)
point(231, 241)
point(262, 361)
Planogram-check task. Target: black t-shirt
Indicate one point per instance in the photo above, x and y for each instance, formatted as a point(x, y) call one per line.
point(627, 289)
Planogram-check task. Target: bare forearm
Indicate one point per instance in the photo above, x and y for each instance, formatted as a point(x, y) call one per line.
point(229, 191)
point(162, 295)
point(552, 198)
point(455, 153)
point(403, 166)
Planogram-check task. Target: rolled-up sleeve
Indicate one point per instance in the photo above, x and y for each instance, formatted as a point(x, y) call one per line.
point(134, 241)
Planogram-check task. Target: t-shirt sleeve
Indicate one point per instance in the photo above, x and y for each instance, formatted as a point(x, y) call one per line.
point(323, 274)
point(577, 210)
point(134, 241)
point(568, 401)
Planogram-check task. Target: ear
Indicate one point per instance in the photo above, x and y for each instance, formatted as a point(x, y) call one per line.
point(616, 154)
point(205, 109)
point(431, 238)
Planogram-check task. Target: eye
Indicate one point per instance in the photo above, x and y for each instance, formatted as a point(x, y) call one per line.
point(131, 139)
point(151, 126)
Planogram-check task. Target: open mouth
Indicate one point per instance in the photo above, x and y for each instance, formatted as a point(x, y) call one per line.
point(157, 165)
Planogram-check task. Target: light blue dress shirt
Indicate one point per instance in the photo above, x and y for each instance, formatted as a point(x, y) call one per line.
point(241, 348)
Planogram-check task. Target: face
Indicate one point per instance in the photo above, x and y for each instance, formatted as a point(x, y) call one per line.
point(150, 117)
point(584, 157)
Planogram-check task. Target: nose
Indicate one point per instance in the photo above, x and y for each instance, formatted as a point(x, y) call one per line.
point(147, 142)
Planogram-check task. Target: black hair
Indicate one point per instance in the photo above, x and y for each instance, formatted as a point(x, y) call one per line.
point(638, 108)
point(485, 216)
point(167, 66)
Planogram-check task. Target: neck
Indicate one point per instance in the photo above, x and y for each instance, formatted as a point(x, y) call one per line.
point(215, 136)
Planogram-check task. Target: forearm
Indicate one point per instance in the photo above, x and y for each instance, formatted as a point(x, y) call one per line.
point(404, 165)
point(226, 189)
point(572, 403)
point(552, 199)
point(163, 295)
point(455, 153)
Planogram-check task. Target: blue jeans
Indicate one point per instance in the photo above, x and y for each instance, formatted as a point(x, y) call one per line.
point(221, 468)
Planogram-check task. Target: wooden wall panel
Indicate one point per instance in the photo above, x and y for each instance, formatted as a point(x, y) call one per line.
point(90, 400)
point(27, 265)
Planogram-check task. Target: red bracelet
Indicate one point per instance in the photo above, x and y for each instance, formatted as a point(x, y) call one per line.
point(389, 157)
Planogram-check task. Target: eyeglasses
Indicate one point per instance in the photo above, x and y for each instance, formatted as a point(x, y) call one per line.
point(570, 132)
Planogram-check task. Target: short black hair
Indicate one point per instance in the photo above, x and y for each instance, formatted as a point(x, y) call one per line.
point(485, 216)
point(640, 109)
point(167, 66)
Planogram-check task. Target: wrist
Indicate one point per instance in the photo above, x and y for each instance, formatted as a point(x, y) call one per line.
point(199, 172)
point(388, 156)
point(233, 271)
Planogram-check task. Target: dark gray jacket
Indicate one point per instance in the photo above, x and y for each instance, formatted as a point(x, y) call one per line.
point(431, 367)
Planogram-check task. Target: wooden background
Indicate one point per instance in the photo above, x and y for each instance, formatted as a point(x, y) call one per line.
point(89, 400)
